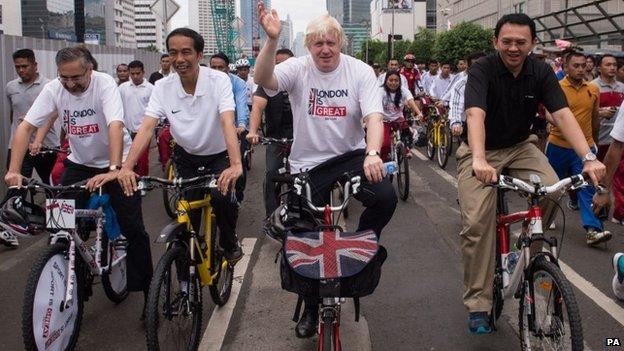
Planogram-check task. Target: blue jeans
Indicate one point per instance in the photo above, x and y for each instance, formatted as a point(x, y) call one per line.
point(566, 162)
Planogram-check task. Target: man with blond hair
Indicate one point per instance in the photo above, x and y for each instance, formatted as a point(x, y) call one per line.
point(331, 95)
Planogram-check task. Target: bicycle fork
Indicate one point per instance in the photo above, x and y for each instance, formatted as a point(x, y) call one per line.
point(330, 311)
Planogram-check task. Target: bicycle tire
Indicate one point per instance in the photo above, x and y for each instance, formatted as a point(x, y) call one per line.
point(221, 286)
point(248, 158)
point(169, 194)
point(403, 181)
point(112, 279)
point(497, 300)
point(38, 283)
point(430, 141)
point(328, 324)
point(159, 304)
point(561, 291)
point(442, 152)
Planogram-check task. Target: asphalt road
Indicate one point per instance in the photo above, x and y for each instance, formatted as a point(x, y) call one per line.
point(417, 305)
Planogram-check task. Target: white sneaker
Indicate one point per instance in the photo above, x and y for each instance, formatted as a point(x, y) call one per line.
point(8, 239)
point(618, 277)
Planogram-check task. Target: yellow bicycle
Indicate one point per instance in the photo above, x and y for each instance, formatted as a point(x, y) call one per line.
point(174, 305)
point(439, 139)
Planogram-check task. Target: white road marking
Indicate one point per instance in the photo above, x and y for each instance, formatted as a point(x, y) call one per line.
point(221, 316)
point(587, 288)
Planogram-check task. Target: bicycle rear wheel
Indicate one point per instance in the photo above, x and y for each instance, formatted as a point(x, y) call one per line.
point(443, 147)
point(46, 323)
point(114, 281)
point(174, 304)
point(169, 194)
point(552, 321)
point(431, 147)
point(221, 286)
point(403, 173)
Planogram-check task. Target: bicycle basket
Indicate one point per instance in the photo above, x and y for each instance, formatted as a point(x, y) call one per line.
point(348, 262)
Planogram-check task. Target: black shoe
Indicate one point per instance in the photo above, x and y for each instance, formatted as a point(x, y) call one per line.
point(308, 323)
point(235, 254)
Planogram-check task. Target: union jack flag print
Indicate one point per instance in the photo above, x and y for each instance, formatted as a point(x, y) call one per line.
point(330, 254)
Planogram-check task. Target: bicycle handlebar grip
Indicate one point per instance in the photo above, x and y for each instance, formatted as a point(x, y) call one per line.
point(287, 179)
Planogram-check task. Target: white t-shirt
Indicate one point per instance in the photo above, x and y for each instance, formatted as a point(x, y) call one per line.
point(617, 132)
point(439, 86)
point(391, 111)
point(135, 99)
point(85, 117)
point(195, 119)
point(328, 108)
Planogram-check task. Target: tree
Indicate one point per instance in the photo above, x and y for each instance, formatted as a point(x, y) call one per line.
point(152, 48)
point(422, 46)
point(459, 42)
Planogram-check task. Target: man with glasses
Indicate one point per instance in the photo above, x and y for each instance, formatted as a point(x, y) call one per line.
point(91, 109)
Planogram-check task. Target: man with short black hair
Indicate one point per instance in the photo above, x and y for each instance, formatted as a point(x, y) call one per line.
point(135, 95)
point(611, 96)
point(441, 82)
point(123, 75)
point(199, 104)
point(427, 77)
point(393, 65)
point(165, 69)
point(21, 93)
point(502, 95)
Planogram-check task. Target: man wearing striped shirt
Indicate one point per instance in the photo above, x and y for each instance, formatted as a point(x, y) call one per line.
point(457, 115)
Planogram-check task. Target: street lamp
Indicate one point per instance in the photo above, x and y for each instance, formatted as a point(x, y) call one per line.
point(366, 23)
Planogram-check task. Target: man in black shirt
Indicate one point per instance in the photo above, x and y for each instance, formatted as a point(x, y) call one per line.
point(278, 124)
point(502, 95)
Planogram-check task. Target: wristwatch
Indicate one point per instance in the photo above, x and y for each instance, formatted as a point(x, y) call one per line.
point(114, 168)
point(589, 157)
point(372, 153)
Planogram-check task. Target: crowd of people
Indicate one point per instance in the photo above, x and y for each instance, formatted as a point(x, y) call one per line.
point(339, 112)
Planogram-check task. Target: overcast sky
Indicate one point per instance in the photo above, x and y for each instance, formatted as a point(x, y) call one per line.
point(301, 12)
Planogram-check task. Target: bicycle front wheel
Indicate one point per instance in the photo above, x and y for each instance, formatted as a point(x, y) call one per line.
point(174, 304)
point(221, 286)
point(403, 173)
point(46, 322)
point(114, 281)
point(443, 147)
point(431, 142)
point(552, 321)
point(169, 198)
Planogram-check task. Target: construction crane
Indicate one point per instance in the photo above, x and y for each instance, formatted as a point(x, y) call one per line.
point(223, 14)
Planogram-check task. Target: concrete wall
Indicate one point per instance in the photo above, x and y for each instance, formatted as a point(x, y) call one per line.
point(45, 51)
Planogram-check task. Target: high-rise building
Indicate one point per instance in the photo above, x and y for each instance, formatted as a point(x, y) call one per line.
point(403, 21)
point(10, 17)
point(335, 8)
point(355, 18)
point(200, 20)
point(249, 15)
point(286, 36)
point(299, 48)
point(124, 23)
point(149, 29)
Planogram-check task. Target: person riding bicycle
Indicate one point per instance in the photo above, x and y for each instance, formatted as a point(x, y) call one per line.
point(199, 105)
point(501, 97)
point(457, 112)
point(278, 124)
point(411, 73)
point(331, 95)
point(395, 98)
point(91, 109)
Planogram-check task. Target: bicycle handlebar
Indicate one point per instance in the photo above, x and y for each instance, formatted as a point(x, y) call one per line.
point(351, 187)
point(145, 183)
point(281, 141)
point(535, 188)
point(34, 184)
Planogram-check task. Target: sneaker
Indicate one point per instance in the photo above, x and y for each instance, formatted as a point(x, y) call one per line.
point(8, 239)
point(479, 323)
point(595, 237)
point(618, 277)
point(617, 221)
point(573, 205)
point(232, 256)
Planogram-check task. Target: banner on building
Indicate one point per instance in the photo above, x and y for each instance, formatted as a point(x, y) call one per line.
point(396, 5)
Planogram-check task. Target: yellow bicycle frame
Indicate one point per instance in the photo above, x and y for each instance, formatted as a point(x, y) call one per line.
point(208, 220)
point(437, 132)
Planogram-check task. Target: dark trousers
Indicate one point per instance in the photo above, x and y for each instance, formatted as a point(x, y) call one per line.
point(379, 199)
point(42, 163)
point(226, 210)
point(241, 182)
point(130, 218)
point(274, 161)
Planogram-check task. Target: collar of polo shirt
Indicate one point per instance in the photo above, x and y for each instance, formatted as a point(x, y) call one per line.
point(200, 85)
point(528, 68)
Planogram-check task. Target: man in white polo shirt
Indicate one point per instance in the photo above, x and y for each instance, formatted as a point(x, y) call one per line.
point(89, 104)
point(135, 95)
point(331, 95)
point(199, 104)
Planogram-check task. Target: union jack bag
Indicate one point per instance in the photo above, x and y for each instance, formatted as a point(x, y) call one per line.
point(332, 263)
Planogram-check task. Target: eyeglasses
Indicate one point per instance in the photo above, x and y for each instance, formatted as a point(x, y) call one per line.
point(74, 79)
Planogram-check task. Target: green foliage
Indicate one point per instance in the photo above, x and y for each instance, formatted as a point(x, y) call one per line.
point(450, 46)
point(151, 47)
point(464, 39)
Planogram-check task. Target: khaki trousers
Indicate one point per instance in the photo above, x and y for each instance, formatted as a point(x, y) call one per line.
point(478, 211)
